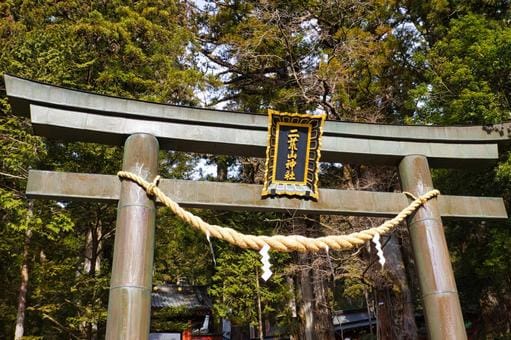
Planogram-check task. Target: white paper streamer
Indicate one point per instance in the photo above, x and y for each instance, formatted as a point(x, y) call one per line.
point(211, 248)
point(377, 245)
point(265, 260)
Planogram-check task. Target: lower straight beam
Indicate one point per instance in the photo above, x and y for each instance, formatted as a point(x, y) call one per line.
point(239, 196)
point(442, 308)
point(129, 304)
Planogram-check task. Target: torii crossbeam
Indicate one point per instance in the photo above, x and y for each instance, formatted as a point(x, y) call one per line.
point(142, 127)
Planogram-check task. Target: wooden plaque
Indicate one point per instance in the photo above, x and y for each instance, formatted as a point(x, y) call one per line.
point(292, 154)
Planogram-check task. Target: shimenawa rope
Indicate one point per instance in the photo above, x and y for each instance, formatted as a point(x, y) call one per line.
point(279, 243)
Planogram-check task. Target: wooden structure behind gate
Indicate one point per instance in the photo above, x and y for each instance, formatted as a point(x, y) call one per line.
point(144, 127)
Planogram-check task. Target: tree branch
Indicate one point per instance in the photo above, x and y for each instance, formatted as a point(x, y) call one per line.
point(11, 176)
point(59, 325)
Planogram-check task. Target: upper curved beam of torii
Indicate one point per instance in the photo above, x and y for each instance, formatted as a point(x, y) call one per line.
point(68, 114)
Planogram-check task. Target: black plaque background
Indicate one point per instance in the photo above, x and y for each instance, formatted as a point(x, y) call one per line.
point(301, 160)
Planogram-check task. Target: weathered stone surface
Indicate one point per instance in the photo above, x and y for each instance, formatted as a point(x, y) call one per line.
point(23, 92)
point(113, 130)
point(236, 196)
point(60, 113)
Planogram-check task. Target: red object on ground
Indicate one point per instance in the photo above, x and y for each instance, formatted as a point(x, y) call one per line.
point(187, 333)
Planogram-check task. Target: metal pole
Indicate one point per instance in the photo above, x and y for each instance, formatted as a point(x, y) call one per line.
point(442, 308)
point(129, 304)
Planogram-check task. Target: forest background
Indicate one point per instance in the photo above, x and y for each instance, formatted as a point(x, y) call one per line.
point(401, 62)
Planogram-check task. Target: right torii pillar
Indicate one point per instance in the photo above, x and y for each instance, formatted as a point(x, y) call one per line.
point(442, 308)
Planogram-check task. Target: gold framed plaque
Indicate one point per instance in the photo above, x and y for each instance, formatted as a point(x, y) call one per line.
point(292, 154)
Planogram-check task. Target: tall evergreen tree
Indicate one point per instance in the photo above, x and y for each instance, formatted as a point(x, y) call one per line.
point(142, 50)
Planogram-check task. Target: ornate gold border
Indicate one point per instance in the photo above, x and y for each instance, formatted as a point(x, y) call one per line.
point(268, 180)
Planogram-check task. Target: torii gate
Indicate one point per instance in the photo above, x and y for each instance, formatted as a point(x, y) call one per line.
point(142, 127)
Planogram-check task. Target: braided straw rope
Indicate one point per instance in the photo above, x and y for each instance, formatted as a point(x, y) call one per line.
point(279, 243)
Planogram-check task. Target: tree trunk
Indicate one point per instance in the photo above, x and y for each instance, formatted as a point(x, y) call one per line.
point(394, 303)
point(259, 309)
point(292, 306)
point(222, 166)
point(92, 265)
point(305, 310)
point(22, 299)
point(323, 326)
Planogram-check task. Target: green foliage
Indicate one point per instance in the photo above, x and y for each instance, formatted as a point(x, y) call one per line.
point(235, 288)
point(170, 319)
point(432, 18)
point(302, 56)
point(182, 253)
point(463, 72)
point(144, 50)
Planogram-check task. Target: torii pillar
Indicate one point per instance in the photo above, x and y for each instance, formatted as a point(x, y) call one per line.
point(442, 309)
point(129, 303)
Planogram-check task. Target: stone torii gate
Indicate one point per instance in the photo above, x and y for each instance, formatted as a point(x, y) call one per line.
point(143, 127)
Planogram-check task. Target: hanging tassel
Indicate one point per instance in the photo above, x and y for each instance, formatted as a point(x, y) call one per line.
point(211, 248)
point(265, 261)
point(379, 250)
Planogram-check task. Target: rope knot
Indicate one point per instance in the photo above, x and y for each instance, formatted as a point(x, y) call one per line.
point(152, 186)
point(422, 199)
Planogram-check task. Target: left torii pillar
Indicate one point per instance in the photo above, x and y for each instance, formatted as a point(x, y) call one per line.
point(129, 304)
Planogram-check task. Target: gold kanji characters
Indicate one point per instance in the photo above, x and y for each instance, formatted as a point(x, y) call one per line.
point(292, 146)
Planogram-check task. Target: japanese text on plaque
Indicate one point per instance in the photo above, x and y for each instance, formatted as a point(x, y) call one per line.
point(292, 142)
